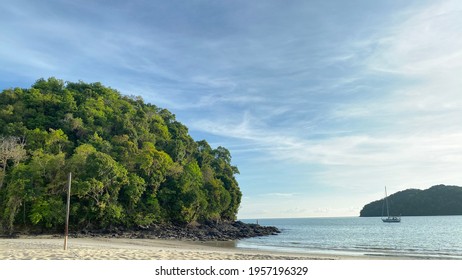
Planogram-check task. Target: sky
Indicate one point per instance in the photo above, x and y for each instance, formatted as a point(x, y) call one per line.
point(321, 103)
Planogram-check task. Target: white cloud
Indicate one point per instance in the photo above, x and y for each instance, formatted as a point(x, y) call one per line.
point(426, 44)
point(377, 104)
point(277, 194)
point(396, 122)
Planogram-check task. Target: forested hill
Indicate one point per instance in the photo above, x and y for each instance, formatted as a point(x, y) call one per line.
point(132, 163)
point(437, 200)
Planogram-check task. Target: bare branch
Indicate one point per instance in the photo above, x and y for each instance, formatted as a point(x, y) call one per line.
point(11, 148)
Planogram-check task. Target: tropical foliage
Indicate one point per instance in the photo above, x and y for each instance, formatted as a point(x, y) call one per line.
point(133, 164)
point(437, 200)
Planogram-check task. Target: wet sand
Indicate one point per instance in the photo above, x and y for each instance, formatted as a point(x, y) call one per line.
point(51, 248)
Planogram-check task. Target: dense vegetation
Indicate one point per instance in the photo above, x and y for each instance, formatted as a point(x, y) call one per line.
point(437, 200)
point(132, 163)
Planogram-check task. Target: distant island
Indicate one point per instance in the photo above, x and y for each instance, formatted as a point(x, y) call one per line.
point(134, 167)
point(436, 201)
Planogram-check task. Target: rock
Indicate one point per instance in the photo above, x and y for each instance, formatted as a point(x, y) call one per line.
point(206, 231)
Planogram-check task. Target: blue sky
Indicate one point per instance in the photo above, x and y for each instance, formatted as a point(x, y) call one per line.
point(321, 103)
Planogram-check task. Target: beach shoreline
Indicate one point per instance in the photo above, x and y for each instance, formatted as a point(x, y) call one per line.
point(100, 248)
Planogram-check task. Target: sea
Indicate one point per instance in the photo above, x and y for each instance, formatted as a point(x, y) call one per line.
point(435, 237)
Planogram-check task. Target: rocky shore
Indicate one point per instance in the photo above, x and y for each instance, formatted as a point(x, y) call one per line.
point(208, 231)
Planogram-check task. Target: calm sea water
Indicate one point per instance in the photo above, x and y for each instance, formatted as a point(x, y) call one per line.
point(420, 237)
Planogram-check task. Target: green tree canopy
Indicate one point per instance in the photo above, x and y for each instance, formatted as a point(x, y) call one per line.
point(133, 163)
point(437, 200)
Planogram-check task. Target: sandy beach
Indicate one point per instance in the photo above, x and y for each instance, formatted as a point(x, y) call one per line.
point(151, 255)
point(51, 248)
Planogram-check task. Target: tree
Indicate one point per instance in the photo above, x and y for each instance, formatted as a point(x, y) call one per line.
point(184, 198)
point(17, 193)
point(225, 173)
point(11, 149)
point(133, 163)
point(153, 165)
point(437, 200)
point(97, 185)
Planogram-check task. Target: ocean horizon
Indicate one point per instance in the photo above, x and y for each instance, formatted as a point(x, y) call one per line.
point(419, 237)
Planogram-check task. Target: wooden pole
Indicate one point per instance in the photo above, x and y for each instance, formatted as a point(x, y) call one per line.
point(66, 230)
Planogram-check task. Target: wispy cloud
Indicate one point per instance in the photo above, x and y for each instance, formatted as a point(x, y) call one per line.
point(280, 194)
point(425, 44)
point(344, 95)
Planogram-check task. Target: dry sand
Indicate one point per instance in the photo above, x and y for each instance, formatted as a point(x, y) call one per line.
point(51, 248)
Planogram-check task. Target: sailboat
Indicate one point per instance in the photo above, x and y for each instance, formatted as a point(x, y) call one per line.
point(389, 219)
